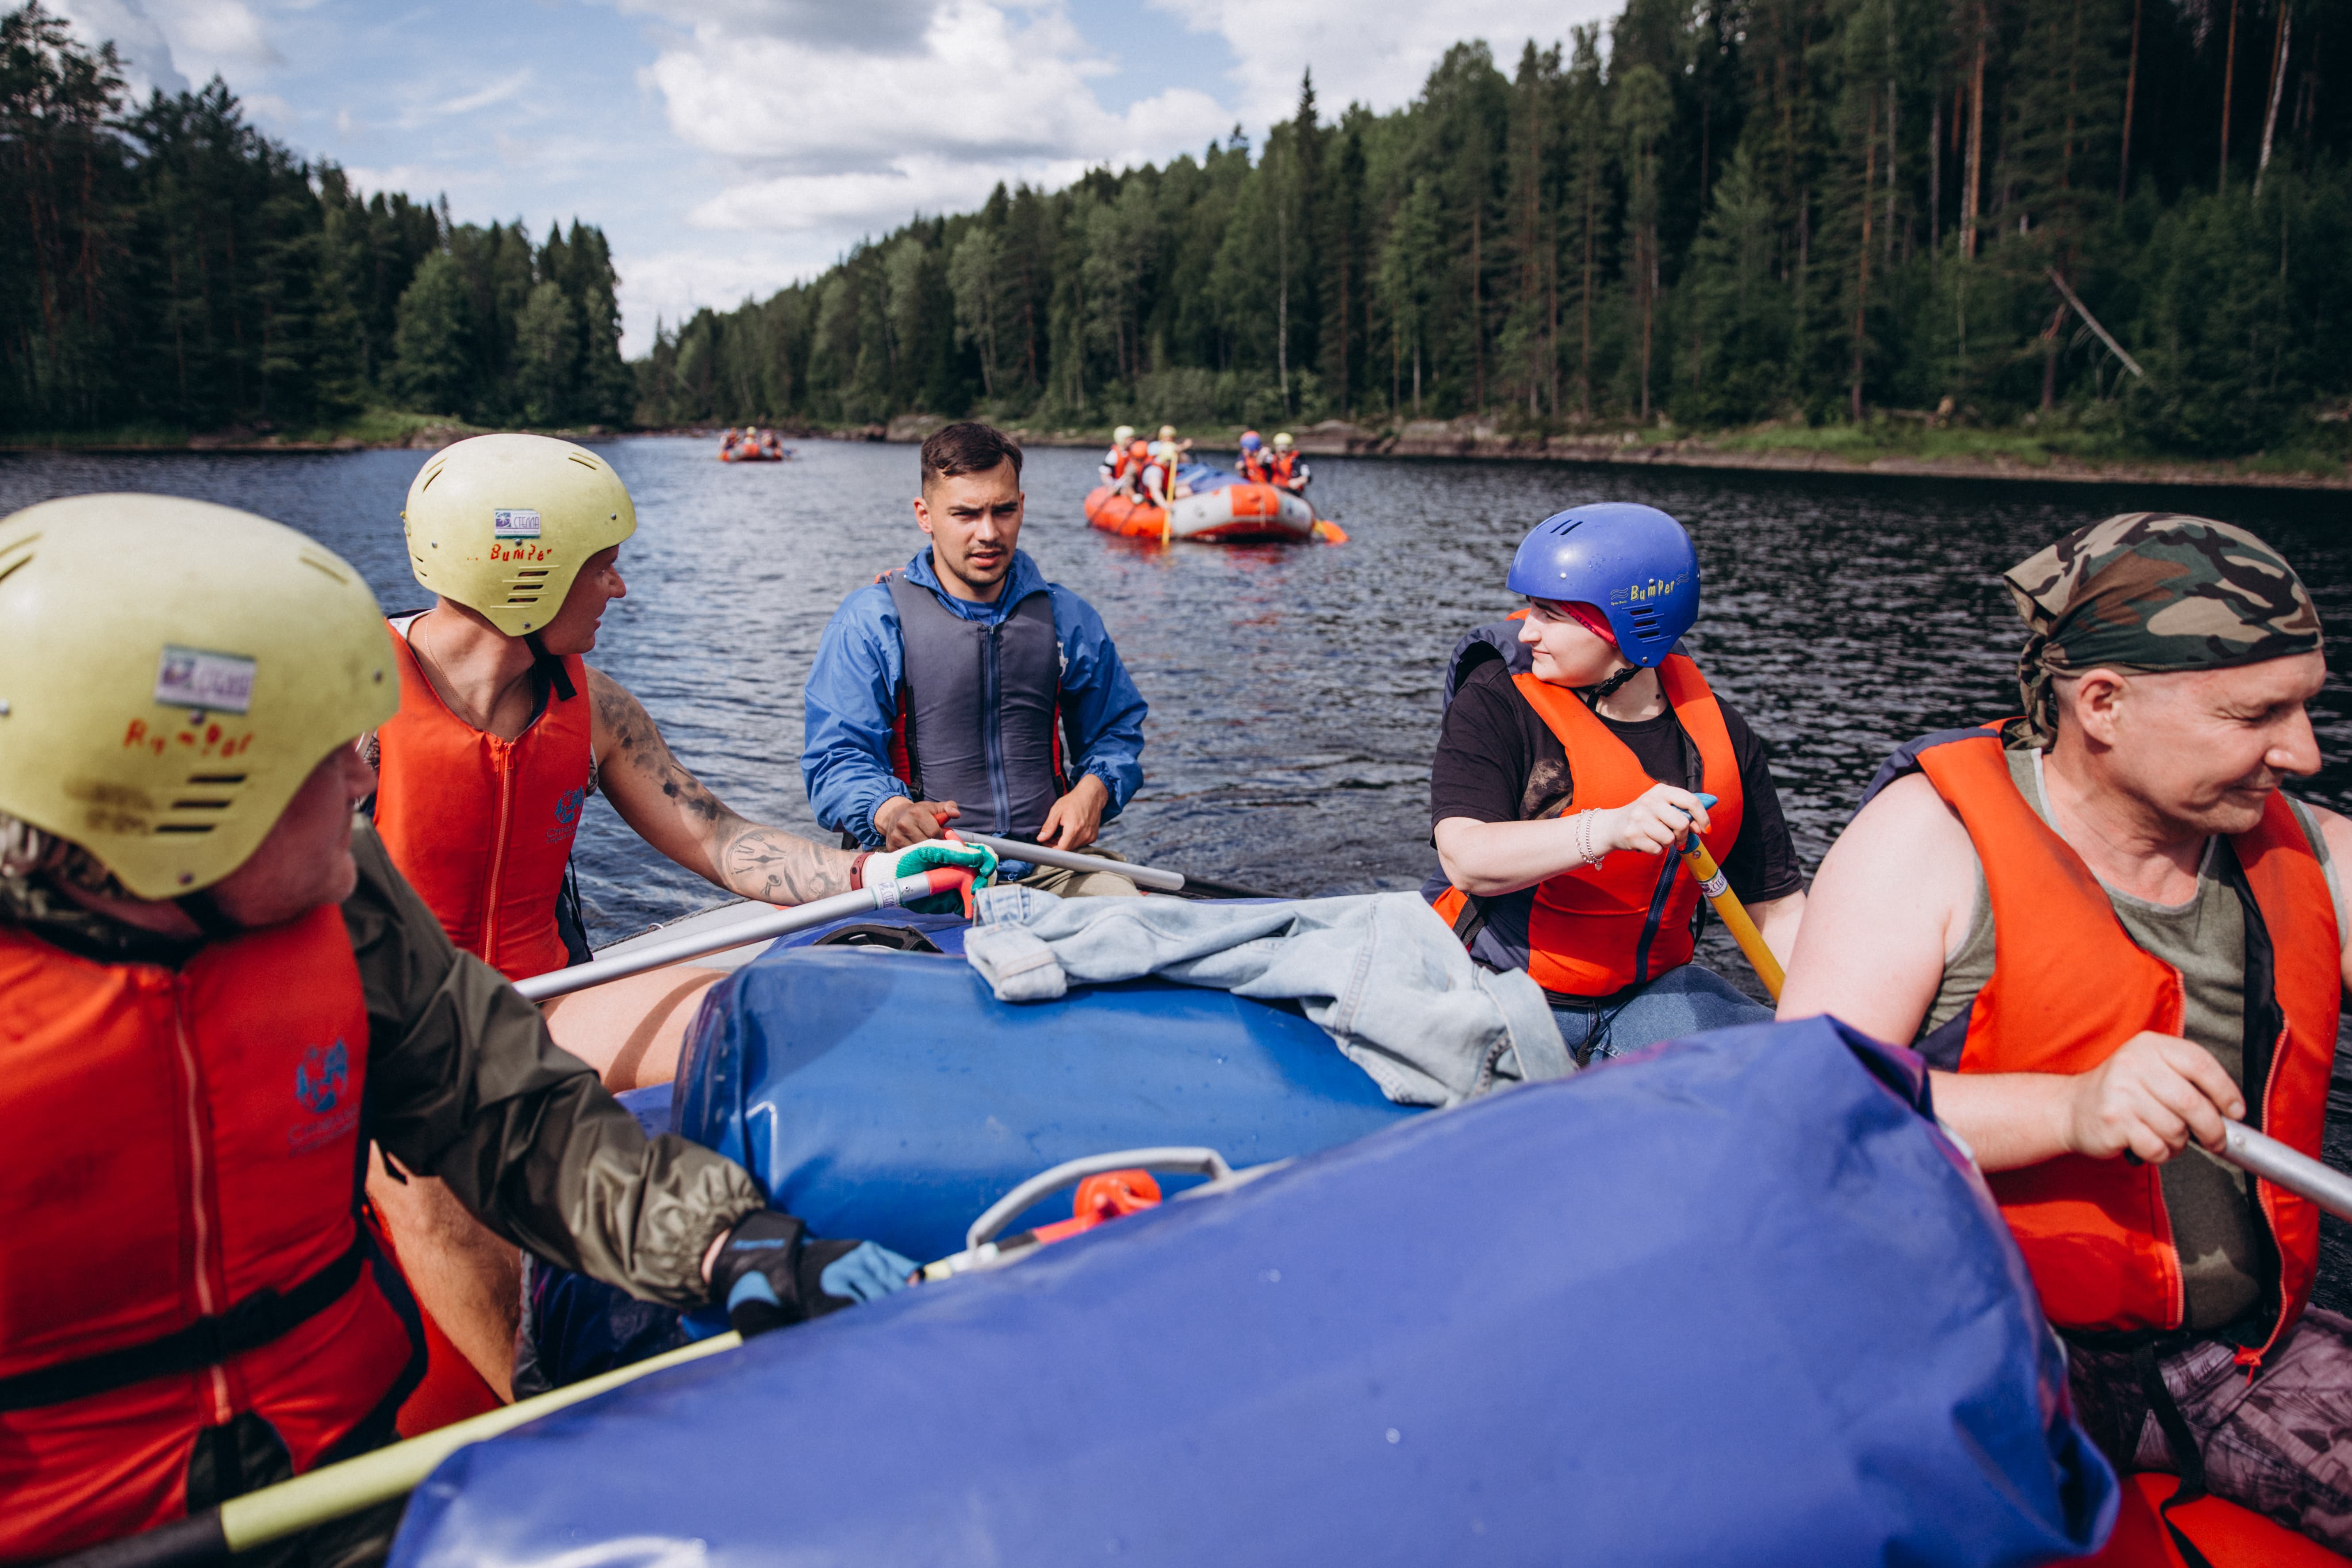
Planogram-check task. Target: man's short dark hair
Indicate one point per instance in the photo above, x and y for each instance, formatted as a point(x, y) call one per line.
point(970, 448)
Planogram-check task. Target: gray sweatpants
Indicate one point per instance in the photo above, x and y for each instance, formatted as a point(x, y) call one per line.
point(2280, 1443)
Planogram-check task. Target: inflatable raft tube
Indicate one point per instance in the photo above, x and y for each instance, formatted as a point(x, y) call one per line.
point(889, 1096)
point(1735, 1300)
point(1221, 510)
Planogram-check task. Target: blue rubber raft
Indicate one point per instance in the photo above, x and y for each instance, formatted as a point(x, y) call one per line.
point(1734, 1300)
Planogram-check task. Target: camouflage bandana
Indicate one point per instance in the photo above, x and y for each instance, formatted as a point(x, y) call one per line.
point(2148, 591)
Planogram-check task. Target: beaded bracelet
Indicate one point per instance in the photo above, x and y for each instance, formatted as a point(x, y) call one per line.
point(1584, 838)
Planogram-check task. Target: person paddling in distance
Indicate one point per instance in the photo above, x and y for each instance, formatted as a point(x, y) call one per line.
point(964, 689)
point(2110, 931)
point(219, 989)
point(1118, 468)
point(502, 734)
point(1575, 745)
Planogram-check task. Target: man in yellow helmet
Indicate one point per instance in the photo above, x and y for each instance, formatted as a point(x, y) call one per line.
point(501, 735)
point(214, 989)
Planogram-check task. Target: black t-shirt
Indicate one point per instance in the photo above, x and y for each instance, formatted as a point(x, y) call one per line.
point(1497, 761)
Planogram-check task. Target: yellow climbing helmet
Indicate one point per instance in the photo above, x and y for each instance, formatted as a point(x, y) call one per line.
point(169, 673)
point(502, 524)
point(1122, 436)
point(1282, 440)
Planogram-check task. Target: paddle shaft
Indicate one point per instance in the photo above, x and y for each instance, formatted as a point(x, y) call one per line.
point(336, 1492)
point(1070, 860)
point(760, 928)
point(2262, 1155)
point(1733, 913)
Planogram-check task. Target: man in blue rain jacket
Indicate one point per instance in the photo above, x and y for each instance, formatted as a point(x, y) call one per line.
point(963, 688)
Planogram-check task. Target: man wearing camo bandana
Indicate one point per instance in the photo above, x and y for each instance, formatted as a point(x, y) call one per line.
point(2108, 930)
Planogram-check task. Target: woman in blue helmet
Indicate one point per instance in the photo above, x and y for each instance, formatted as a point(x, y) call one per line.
point(1576, 744)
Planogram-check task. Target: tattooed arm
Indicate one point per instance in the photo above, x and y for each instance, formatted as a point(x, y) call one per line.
point(674, 812)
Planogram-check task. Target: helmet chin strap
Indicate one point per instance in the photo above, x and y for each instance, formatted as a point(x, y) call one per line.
point(1595, 695)
point(550, 666)
point(205, 909)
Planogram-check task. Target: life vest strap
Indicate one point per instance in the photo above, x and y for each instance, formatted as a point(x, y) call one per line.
point(264, 1316)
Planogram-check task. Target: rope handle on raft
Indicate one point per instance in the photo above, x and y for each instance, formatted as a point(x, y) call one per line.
point(1070, 1172)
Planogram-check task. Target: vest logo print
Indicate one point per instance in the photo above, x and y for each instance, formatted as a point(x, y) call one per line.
point(320, 1081)
point(567, 815)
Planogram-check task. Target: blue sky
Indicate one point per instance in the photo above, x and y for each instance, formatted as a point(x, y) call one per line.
point(727, 147)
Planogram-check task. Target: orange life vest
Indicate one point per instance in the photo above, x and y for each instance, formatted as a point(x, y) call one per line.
point(1254, 468)
point(181, 1146)
point(1282, 466)
point(1592, 930)
point(482, 827)
point(2069, 987)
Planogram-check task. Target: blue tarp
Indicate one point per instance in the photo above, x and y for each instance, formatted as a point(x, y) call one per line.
point(1731, 1300)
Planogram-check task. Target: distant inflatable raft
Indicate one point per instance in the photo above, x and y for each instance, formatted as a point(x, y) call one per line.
point(1222, 509)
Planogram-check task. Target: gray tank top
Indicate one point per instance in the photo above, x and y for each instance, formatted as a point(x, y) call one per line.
point(2224, 1252)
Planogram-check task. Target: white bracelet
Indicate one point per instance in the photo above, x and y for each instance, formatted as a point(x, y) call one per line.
point(1584, 838)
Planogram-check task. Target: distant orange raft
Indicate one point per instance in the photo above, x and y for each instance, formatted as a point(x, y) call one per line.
point(1221, 510)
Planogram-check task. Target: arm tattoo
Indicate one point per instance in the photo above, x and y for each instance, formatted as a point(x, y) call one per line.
point(780, 868)
point(744, 856)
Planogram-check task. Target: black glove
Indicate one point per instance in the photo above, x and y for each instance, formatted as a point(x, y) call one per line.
point(768, 1271)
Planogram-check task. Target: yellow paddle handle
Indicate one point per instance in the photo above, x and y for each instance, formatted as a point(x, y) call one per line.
point(1717, 889)
point(335, 1490)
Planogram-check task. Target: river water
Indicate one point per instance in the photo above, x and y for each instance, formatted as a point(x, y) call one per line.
point(1294, 690)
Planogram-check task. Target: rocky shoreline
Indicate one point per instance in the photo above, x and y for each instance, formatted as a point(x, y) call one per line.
point(1466, 437)
point(1479, 439)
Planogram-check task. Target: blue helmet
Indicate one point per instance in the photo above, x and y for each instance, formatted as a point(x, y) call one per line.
point(1633, 561)
point(1250, 442)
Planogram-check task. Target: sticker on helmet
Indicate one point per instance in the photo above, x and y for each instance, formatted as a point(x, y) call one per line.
point(514, 523)
point(194, 677)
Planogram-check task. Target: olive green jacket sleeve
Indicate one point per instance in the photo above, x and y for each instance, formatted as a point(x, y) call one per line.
point(464, 1083)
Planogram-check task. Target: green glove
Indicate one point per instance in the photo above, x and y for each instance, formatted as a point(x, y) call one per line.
point(885, 867)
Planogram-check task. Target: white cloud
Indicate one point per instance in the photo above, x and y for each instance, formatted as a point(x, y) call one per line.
point(854, 129)
point(175, 44)
point(499, 91)
point(1379, 52)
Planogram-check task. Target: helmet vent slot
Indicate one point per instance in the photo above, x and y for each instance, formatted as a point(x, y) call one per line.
point(201, 805)
point(589, 463)
point(12, 564)
point(315, 562)
point(183, 828)
point(199, 781)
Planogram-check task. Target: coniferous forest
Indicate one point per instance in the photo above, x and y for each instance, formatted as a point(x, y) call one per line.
point(2128, 218)
point(167, 266)
point(1716, 212)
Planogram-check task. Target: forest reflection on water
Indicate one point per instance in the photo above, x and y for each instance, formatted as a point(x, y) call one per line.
point(1294, 690)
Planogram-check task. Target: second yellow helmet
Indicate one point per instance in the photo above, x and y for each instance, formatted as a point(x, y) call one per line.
point(502, 524)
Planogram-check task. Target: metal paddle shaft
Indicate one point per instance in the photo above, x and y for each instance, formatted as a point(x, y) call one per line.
point(1733, 913)
point(760, 928)
point(1070, 860)
point(2259, 1154)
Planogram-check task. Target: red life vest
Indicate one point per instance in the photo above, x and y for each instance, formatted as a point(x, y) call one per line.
point(2069, 987)
point(482, 827)
point(1254, 469)
point(1597, 929)
point(179, 1144)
